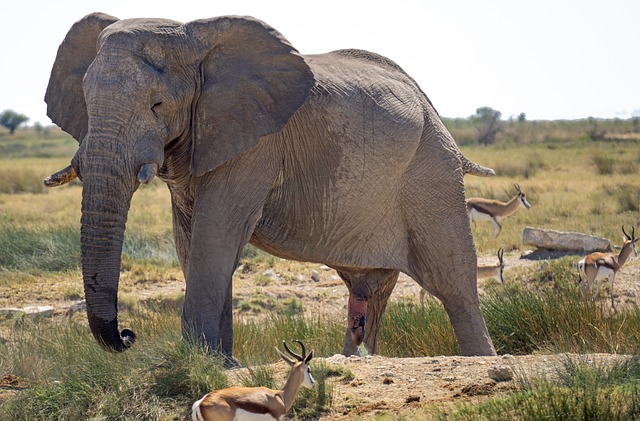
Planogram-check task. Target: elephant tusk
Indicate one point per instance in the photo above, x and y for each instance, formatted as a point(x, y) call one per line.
point(147, 173)
point(61, 177)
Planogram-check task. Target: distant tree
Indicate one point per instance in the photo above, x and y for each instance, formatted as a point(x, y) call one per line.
point(11, 120)
point(487, 123)
point(522, 118)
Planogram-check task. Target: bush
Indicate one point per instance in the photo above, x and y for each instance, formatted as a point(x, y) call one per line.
point(604, 163)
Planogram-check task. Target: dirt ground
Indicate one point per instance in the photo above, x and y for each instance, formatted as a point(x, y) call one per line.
point(379, 384)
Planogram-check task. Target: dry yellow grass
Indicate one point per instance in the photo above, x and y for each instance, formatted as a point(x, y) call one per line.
point(564, 187)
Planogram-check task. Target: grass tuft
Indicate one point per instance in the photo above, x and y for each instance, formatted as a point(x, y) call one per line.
point(584, 390)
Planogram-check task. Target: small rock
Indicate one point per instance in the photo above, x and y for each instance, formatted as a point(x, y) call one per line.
point(315, 276)
point(389, 374)
point(412, 398)
point(77, 307)
point(325, 267)
point(475, 389)
point(269, 273)
point(631, 293)
point(500, 373)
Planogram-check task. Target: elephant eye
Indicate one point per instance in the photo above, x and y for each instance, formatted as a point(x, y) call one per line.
point(154, 107)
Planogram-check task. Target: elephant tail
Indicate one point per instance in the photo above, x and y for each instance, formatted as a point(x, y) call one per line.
point(469, 167)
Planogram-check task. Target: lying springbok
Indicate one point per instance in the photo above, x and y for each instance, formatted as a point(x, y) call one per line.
point(257, 403)
point(597, 267)
point(480, 209)
point(484, 271)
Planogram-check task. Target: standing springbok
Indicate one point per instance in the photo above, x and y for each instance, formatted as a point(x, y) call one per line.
point(597, 267)
point(484, 271)
point(257, 403)
point(480, 209)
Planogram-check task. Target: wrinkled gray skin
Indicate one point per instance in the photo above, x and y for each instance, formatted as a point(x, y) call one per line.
point(336, 158)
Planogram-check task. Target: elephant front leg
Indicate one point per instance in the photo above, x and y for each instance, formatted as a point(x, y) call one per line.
point(228, 203)
point(207, 315)
point(208, 312)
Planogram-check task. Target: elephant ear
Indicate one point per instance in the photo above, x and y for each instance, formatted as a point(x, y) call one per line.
point(252, 81)
point(64, 97)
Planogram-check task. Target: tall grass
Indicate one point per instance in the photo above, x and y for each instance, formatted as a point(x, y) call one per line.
point(584, 391)
point(49, 248)
point(26, 175)
point(44, 234)
point(544, 311)
point(410, 330)
point(69, 378)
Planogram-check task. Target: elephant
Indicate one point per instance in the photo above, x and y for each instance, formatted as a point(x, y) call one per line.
point(335, 158)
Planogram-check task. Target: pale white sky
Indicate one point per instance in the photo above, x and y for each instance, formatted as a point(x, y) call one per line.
point(551, 59)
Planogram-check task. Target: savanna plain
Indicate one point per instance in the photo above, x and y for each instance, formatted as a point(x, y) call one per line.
point(567, 357)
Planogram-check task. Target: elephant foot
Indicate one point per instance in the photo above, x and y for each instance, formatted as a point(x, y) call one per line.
point(356, 319)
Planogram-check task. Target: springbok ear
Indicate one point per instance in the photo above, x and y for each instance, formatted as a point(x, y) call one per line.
point(309, 357)
point(64, 97)
point(284, 357)
point(252, 80)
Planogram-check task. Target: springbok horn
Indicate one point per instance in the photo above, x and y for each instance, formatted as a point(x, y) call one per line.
point(517, 186)
point(147, 173)
point(633, 233)
point(61, 177)
point(304, 352)
point(293, 354)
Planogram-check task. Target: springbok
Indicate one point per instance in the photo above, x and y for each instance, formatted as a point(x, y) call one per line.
point(480, 209)
point(597, 267)
point(484, 271)
point(257, 403)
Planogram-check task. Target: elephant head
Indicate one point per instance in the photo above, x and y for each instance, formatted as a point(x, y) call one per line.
point(130, 90)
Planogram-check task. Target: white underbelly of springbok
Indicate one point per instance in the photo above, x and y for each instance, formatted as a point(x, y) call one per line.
point(242, 415)
point(602, 274)
point(480, 216)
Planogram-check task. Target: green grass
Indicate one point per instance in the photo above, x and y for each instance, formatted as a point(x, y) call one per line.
point(26, 142)
point(584, 391)
point(413, 330)
point(67, 376)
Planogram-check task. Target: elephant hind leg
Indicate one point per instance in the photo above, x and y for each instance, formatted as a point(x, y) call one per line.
point(442, 260)
point(369, 291)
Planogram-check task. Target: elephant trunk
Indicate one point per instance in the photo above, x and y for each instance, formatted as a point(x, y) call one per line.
point(106, 198)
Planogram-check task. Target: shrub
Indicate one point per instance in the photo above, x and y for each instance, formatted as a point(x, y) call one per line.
point(604, 163)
